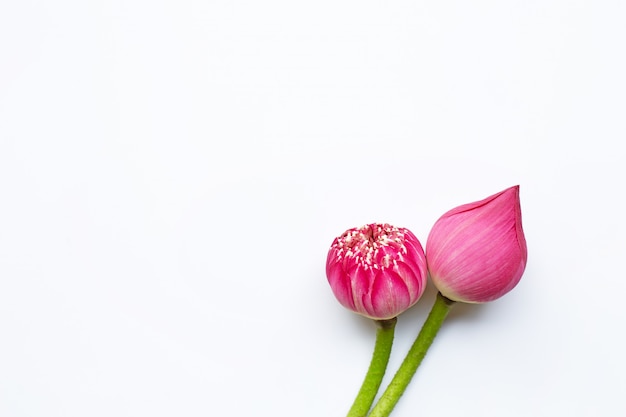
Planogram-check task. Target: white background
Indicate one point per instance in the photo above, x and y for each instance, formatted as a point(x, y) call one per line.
point(172, 174)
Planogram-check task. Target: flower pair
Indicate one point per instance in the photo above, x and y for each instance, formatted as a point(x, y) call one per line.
point(474, 253)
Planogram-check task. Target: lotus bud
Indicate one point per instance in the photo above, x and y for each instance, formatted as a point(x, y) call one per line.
point(377, 270)
point(477, 252)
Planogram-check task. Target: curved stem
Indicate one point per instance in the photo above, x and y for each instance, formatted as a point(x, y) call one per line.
point(376, 371)
point(407, 369)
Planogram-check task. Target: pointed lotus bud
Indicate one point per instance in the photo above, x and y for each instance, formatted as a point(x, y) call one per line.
point(377, 270)
point(477, 252)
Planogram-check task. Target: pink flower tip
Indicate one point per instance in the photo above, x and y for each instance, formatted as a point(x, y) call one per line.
point(477, 252)
point(377, 270)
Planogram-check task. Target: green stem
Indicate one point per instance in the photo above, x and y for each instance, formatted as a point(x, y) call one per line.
point(403, 376)
point(376, 371)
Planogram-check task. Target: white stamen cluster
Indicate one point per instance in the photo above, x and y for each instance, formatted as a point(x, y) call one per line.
point(362, 245)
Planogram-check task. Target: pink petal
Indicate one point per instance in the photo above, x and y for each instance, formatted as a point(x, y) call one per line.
point(390, 295)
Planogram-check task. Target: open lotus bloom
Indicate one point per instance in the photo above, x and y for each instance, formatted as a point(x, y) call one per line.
point(377, 270)
point(477, 252)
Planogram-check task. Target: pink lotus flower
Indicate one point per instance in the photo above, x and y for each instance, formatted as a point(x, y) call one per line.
point(477, 252)
point(377, 270)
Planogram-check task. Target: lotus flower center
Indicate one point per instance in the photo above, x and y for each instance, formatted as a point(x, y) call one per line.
point(372, 246)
